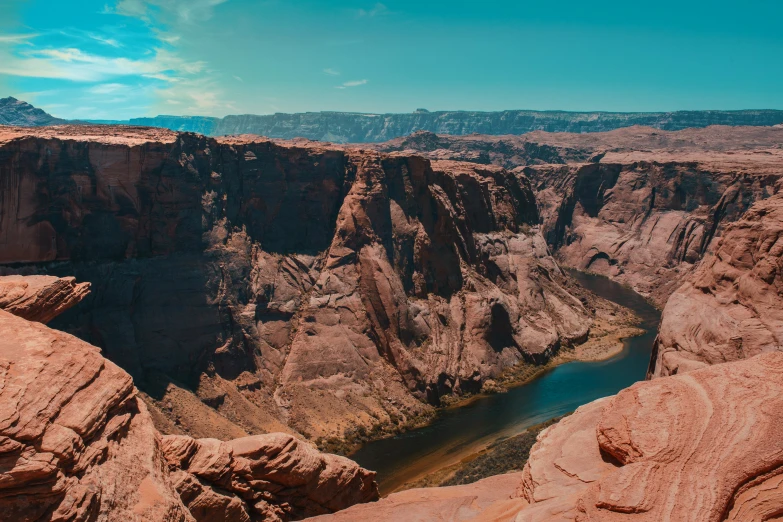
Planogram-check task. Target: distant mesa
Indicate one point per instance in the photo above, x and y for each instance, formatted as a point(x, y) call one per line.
point(351, 127)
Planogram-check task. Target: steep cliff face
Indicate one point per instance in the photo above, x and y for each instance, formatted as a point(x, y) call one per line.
point(289, 286)
point(639, 205)
point(646, 220)
point(343, 127)
point(701, 447)
point(78, 444)
point(731, 307)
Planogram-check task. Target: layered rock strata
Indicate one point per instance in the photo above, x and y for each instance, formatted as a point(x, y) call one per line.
point(78, 444)
point(40, 298)
point(296, 287)
point(731, 307)
point(699, 447)
point(639, 205)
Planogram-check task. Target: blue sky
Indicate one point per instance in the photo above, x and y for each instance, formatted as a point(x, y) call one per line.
point(110, 59)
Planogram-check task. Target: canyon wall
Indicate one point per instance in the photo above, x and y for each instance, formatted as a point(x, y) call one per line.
point(731, 307)
point(250, 286)
point(344, 127)
point(639, 205)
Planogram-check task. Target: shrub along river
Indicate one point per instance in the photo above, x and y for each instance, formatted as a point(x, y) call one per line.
point(458, 432)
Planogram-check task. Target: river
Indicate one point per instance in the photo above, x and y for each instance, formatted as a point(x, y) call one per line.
point(458, 432)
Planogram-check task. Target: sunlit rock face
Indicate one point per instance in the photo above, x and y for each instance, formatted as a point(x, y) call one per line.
point(731, 307)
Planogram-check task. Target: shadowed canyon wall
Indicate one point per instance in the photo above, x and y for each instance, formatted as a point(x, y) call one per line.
point(288, 286)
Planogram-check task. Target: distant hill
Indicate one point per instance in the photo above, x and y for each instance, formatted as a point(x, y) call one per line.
point(18, 112)
point(346, 127)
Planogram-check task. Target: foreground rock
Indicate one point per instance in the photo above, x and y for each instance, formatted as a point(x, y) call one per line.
point(263, 477)
point(77, 443)
point(700, 447)
point(732, 306)
point(295, 287)
point(40, 298)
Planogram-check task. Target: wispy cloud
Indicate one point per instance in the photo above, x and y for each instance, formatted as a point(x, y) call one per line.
point(76, 65)
point(237, 78)
point(105, 41)
point(108, 88)
point(331, 72)
point(17, 38)
point(355, 83)
point(378, 10)
point(187, 11)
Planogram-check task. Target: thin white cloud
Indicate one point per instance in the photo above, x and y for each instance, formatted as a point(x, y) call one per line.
point(77, 65)
point(355, 83)
point(108, 88)
point(378, 10)
point(105, 41)
point(17, 38)
point(187, 11)
point(237, 78)
point(331, 72)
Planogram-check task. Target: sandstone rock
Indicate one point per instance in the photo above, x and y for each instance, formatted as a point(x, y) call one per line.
point(75, 441)
point(295, 286)
point(488, 500)
point(732, 306)
point(40, 298)
point(639, 205)
point(264, 477)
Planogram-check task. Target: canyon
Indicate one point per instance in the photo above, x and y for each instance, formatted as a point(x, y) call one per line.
point(215, 303)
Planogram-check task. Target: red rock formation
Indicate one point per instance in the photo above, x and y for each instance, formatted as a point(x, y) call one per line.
point(40, 298)
point(77, 443)
point(700, 447)
point(732, 306)
point(639, 205)
point(264, 477)
point(333, 289)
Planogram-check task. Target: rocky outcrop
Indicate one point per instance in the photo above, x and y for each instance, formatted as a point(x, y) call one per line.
point(343, 127)
point(77, 443)
point(264, 477)
point(40, 298)
point(699, 447)
point(731, 307)
point(17, 112)
point(333, 289)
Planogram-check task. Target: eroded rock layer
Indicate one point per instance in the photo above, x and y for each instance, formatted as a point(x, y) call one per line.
point(732, 306)
point(639, 205)
point(40, 298)
point(291, 286)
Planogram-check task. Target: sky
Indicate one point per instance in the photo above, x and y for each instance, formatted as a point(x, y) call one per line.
point(117, 59)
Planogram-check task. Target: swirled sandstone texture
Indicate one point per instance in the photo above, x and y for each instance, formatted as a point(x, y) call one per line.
point(40, 298)
point(699, 447)
point(731, 307)
point(639, 205)
point(251, 286)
